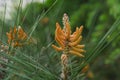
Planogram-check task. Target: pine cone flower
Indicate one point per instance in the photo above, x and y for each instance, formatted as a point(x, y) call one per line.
point(69, 43)
point(16, 37)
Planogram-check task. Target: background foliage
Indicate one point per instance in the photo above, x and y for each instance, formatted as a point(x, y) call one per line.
point(101, 36)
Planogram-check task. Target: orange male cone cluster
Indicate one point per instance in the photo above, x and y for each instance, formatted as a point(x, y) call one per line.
point(68, 42)
point(16, 37)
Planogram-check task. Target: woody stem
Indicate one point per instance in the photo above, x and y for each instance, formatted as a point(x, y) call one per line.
point(64, 63)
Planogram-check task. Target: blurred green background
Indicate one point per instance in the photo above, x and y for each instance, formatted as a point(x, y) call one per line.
point(97, 17)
